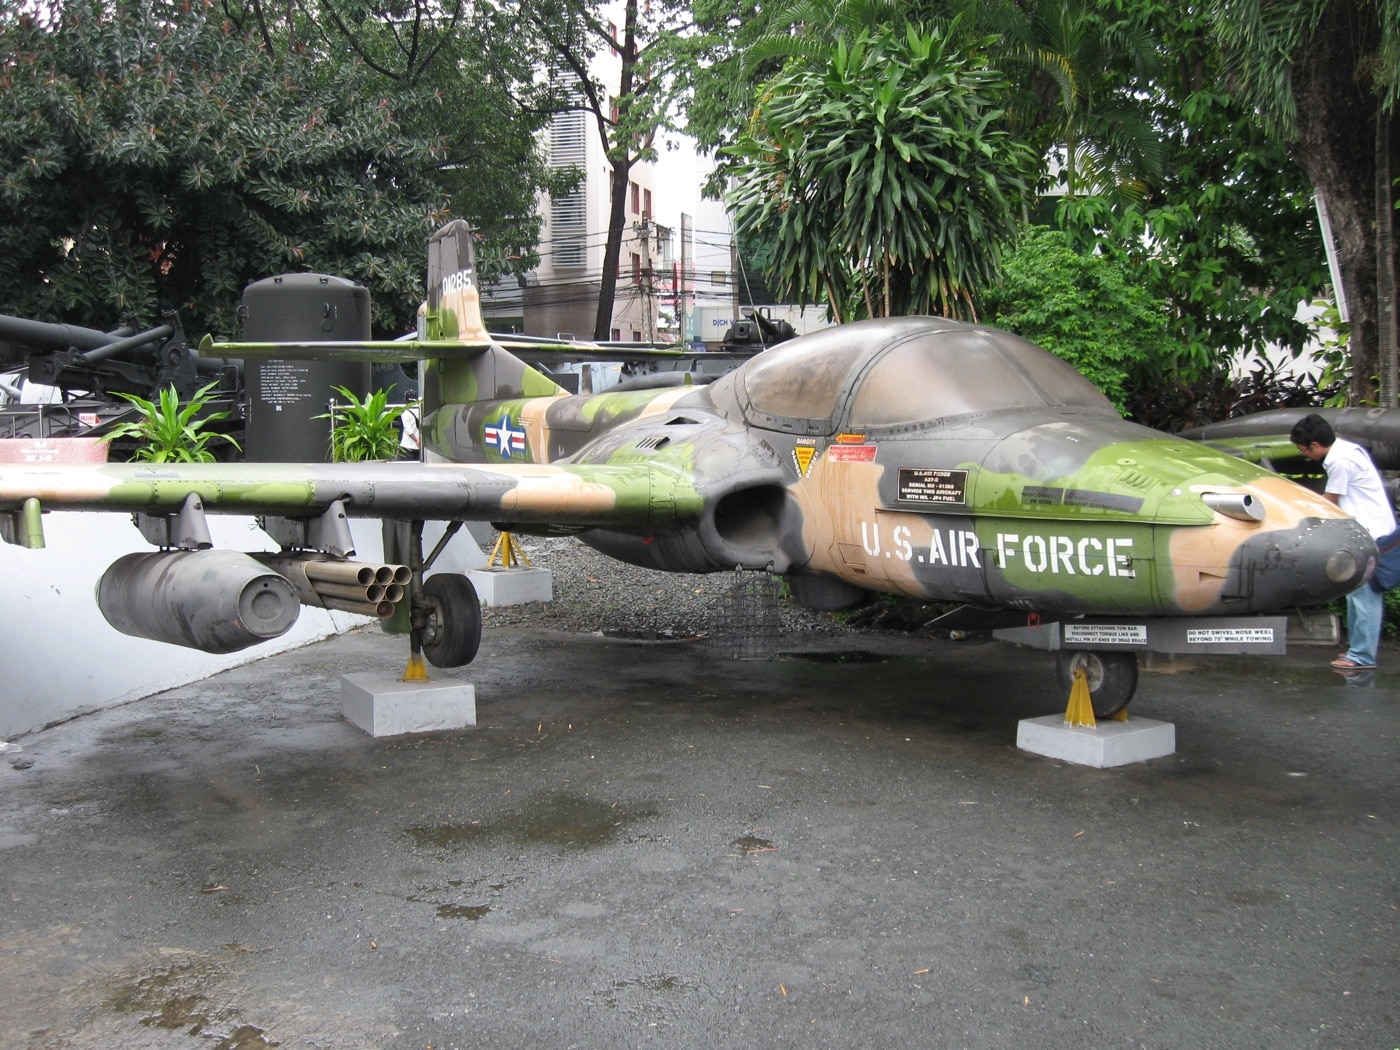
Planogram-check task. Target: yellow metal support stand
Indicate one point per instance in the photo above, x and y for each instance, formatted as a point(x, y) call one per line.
point(417, 669)
point(507, 553)
point(1080, 711)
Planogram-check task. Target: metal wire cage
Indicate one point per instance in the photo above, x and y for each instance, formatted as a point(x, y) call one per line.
point(745, 625)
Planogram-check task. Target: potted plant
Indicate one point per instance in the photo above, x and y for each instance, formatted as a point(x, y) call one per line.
point(171, 433)
point(365, 429)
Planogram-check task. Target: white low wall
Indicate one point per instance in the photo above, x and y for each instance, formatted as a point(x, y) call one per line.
point(61, 658)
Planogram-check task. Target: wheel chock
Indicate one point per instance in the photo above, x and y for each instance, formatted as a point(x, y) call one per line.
point(1080, 711)
point(417, 669)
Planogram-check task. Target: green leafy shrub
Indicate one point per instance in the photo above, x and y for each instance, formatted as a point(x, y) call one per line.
point(1083, 308)
point(1178, 403)
point(170, 433)
point(364, 429)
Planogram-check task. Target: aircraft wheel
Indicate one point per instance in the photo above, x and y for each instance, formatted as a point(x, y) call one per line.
point(454, 621)
point(1112, 677)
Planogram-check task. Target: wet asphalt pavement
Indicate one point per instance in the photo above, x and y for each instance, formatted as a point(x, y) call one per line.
point(646, 844)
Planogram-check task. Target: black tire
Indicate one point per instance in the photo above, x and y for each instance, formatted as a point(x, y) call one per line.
point(453, 634)
point(1112, 677)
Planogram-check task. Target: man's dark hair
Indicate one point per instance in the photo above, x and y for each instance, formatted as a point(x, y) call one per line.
point(1313, 428)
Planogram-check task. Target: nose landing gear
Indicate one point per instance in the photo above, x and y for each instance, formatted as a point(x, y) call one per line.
point(1111, 676)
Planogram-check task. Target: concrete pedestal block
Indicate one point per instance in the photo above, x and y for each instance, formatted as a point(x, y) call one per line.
point(1111, 743)
point(385, 706)
point(512, 586)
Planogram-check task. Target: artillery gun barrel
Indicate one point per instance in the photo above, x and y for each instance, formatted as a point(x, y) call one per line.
point(131, 342)
point(43, 335)
point(96, 346)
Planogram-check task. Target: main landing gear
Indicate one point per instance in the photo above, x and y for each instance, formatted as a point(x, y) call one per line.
point(452, 631)
point(1112, 676)
point(444, 614)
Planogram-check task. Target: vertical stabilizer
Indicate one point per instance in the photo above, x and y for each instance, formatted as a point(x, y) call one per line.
point(452, 312)
point(454, 300)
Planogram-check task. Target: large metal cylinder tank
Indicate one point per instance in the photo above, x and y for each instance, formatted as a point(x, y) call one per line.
point(285, 397)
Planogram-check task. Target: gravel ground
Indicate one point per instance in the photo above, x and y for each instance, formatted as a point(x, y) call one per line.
point(594, 593)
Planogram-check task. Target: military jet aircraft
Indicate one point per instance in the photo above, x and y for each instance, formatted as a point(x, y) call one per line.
point(912, 455)
point(1263, 436)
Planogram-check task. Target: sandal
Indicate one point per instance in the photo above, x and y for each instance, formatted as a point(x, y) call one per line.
point(1342, 663)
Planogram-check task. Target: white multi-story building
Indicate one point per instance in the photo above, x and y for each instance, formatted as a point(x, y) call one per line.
point(678, 276)
point(560, 297)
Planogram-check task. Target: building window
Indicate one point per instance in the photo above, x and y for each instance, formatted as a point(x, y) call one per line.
point(617, 335)
point(612, 38)
point(636, 336)
point(646, 204)
point(636, 198)
point(636, 268)
point(569, 214)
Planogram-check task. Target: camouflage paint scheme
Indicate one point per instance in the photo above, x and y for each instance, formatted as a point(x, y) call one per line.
point(1057, 508)
point(916, 455)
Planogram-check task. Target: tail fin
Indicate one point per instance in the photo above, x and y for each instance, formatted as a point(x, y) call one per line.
point(453, 312)
point(454, 300)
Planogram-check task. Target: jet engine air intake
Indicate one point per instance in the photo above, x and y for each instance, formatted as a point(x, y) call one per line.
point(751, 516)
point(347, 586)
point(215, 601)
point(749, 525)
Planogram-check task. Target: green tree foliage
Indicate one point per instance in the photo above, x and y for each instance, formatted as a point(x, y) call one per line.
point(154, 158)
point(467, 73)
point(1167, 173)
point(1226, 238)
point(1079, 70)
point(1325, 77)
point(651, 42)
point(884, 179)
point(1086, 308)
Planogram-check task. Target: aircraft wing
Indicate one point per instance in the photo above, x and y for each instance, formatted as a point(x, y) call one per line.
point(625, 495)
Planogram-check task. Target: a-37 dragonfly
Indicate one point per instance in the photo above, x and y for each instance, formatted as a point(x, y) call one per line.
point(916, 456)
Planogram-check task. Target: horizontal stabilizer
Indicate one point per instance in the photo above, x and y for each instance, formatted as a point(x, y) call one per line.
point(547, 351)
point(385, 351)
point(531, 351)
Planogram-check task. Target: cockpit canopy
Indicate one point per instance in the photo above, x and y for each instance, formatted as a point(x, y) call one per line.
point(901, 371)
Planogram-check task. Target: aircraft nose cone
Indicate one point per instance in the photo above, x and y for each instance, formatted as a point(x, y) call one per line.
point(1320, 559)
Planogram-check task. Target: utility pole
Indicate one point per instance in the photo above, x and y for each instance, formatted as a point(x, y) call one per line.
point(643, 229)
point(734, 269)
point(682, 302)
